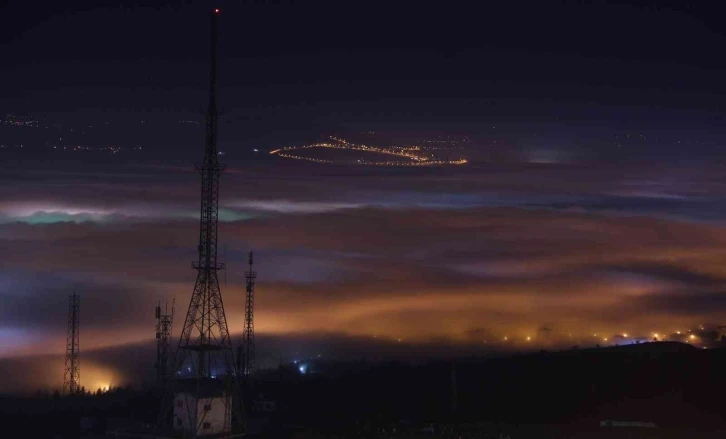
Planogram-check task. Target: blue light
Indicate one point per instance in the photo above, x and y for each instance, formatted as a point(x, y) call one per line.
point(303, 368)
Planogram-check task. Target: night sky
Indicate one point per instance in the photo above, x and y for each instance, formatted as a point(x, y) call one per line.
point(592, 203)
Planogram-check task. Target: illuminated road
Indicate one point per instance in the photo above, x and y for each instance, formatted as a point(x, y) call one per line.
point(414, 155)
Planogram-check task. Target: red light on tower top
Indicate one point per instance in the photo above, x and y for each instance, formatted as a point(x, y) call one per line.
point(216, 10)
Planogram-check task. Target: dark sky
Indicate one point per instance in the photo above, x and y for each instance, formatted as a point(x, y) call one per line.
point(592, 202)
point(313, 52)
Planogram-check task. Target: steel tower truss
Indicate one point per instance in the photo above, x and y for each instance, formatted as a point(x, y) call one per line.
point(164, 324)
point(249, 332)
point(72, 375)
point(204, 359)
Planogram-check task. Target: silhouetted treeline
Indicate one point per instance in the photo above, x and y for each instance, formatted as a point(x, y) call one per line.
point(48, 414)
point(673, 385)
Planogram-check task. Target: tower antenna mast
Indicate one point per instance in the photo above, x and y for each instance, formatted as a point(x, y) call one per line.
point(164, 322)
point(72, 374)
point(203, 364)
point(249, 331)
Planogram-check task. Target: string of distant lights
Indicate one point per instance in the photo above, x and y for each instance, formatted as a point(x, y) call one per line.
point(307, 365)
point(689, 336)
point(701, 337)
point(414, 155)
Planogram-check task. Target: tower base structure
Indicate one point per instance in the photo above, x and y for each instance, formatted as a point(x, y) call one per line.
point(202, 411)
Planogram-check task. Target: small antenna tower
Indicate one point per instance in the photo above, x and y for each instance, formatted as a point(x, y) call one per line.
point(72, 376)
point(164, 324)
point(248, 334)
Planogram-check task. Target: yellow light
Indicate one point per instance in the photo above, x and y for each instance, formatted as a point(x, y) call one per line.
point(678, 332)
point(529, 338)
point(505, 338)
point(625, 335)
point(604, 339)
point(692, 337)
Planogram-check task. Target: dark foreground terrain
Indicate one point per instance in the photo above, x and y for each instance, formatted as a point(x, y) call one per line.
point(677, 387)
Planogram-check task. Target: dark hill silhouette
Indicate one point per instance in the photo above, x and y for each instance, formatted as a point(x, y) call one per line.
point(676, 386)
point(652, 347)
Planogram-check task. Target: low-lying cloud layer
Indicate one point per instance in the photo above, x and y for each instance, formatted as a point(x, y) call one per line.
point(469, 254)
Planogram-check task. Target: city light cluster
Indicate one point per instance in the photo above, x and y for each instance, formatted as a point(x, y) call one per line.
point(19, 121)
point(414, 155)
point(113, 149)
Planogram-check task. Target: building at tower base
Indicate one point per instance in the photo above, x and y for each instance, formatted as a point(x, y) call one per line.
point(206, 410)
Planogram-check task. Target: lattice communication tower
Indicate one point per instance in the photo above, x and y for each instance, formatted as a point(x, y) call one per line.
point(72, 375)
point(204, 360)
point(248, 334)
point(164, 322)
